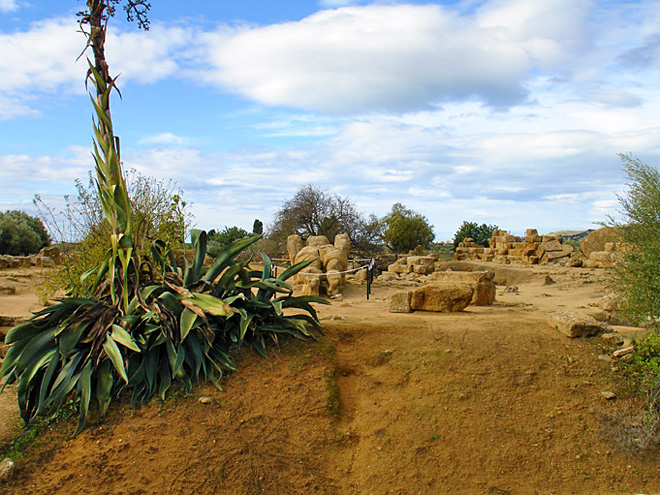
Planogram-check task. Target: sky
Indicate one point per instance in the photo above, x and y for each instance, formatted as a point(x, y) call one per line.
point(506, 112)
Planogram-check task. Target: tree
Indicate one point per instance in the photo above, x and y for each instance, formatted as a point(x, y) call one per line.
point(313, 211)
point(480, 233)
point(406, 229)
point(257, 226)
point(637, 275)
point(219, 241)
point(21, 234)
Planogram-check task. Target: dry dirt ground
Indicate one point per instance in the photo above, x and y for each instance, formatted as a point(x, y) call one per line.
point(493, 400)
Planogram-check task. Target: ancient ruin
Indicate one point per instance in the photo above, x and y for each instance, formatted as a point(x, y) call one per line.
point(327, 272)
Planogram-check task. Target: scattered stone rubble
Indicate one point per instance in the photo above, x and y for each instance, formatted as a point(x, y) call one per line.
point(47, 257)
point(535, 249)
point(326, 273)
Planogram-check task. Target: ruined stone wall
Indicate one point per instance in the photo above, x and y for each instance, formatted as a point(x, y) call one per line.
point(535, 249)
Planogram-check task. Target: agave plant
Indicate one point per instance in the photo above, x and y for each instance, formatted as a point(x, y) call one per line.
point(182, 327)
point(144, 324)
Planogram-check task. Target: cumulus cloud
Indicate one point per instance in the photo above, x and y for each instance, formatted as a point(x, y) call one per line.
point(42, 60)
point(399, 57)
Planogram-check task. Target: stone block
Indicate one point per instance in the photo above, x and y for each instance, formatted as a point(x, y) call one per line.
point(400, 302)
point(577, 325)
point(441, 298)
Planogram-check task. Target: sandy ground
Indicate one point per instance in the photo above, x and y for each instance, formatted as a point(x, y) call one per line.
point(493, 400)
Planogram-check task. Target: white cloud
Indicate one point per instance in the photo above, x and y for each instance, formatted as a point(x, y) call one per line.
point(42, 61)
point(400, 57)
point(7, 6)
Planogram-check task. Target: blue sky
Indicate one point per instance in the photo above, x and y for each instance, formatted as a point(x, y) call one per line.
point(509, 112)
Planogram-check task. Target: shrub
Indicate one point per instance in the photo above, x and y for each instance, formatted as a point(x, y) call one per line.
point(21, 234)
point(637, 275)
point(158, 211)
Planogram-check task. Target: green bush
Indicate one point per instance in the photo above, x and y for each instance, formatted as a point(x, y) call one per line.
point(480, 233)
point(637, 274)
point(21, 234)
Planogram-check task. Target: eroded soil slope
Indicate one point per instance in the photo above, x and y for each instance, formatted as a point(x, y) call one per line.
point(490, 401)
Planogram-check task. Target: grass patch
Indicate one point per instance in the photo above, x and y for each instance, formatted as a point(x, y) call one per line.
point(333, 399)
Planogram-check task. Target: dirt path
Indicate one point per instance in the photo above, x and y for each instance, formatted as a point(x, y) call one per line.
point(490, 401)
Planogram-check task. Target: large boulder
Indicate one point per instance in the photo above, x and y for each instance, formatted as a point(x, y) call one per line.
point(597, 240)
point(441, 297)
point(482, 283)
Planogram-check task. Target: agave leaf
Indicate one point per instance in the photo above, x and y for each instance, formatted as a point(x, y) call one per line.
point(85, 393)
point(186, 321)
point(244, 325)
point(22, 331)
point(70, 337)
point(53, 364)
point(39, 344)
point(121, 336)
point(292, 270)
point(165, 382)
point(211, 305)
point(114, 354)
point(104, 382)
point(221, 261)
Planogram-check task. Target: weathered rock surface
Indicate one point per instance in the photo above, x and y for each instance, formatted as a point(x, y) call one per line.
point(578, 325)
point(481, 282)
point(597, 240)
point(441, 297)
point(400, 302)
point(327, 272)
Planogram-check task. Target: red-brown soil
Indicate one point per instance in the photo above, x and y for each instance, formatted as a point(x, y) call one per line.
point(493, 400)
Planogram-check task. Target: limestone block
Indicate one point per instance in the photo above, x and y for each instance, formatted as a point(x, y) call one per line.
point(441, 298)
point(420, 260)
point(343, 242)
point(361, 275)
point(549, 238)
point(335, 279)
point(610, 247)
point(597, 239)
point(311, 281)
point(481, 282)
point(551, 245)
point(317, 240)
point(294, 244)
point(577, 325)
point(422, 269)
point(53, 252)
point(400, 302)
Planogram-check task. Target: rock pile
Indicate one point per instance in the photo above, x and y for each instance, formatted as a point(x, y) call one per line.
point(533, 249)
point(47, 257)
point(326, 273)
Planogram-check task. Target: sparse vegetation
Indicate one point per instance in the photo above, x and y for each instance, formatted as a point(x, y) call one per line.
point(158, 211)
point(637, 275)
